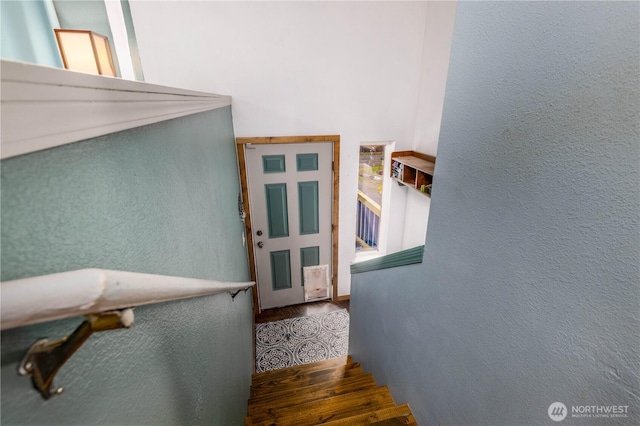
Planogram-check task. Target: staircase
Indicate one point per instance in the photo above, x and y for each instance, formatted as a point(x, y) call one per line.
point(333, 392)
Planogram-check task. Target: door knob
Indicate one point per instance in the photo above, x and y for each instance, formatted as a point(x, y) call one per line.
point(260, 244)
point(259, 233)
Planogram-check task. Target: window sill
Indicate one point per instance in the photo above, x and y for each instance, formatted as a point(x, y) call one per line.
point(365, 255)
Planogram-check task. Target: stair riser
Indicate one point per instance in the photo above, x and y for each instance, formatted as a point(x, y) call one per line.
point(301, 369)
point(295, 375)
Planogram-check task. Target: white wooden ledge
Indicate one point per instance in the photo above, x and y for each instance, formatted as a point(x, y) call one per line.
point(89, 291)
point(43, 107)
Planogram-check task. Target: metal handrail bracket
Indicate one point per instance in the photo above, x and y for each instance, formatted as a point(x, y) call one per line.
point(44, 359)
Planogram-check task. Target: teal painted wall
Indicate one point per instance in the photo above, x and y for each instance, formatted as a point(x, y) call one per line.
point(528, 292)
point(27, 33)
point(157, 199)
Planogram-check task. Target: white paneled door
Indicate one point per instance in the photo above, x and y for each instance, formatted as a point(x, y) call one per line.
point(290, 197)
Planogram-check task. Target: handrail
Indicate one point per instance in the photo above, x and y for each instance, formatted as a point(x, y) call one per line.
point(90, 291)
point(402, 258)
point(105, 297)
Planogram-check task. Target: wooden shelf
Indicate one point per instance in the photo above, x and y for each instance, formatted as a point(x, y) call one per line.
point(414, 170)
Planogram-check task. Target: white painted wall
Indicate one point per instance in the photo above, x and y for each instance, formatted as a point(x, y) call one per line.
point(438, 33)
point(297, 68)
point(416, 216)
point(120, 38)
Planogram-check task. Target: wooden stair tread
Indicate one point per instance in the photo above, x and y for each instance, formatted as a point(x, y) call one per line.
point(314, 377)
point(398, 415)
point(320, 411)
point(297, 370)
point(284, 382)
point(311, 393)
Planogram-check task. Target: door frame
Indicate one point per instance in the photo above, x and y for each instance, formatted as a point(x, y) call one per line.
point(242, 164)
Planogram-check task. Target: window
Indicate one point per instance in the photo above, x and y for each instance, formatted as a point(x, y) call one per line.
point(368, 213)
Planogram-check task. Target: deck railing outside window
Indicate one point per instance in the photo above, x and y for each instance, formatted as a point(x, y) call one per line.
point(368, 223)
point(370, 173)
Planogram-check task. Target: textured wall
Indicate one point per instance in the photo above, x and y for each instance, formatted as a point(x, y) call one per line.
point(529, 289)
point(157, 199)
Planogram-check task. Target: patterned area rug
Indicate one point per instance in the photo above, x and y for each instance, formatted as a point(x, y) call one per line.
point(302, 340)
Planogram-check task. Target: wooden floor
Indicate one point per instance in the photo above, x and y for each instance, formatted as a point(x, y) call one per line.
point(301, 310)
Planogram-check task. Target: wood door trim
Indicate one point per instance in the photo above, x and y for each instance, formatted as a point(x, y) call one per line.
point(288, 139)
point(242, 164)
